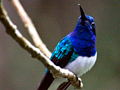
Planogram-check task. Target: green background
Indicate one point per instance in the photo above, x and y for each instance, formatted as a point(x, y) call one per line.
point(54, 19)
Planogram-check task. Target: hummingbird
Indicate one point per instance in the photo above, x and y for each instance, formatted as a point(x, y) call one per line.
point(75, 52)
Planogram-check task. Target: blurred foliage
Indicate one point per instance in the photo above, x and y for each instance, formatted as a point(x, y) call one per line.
point(54, 19)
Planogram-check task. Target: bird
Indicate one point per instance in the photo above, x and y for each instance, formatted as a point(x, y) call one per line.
point(76, 52)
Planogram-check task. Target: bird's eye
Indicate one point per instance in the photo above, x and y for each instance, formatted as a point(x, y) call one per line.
point(93, 24)
point(93, 28)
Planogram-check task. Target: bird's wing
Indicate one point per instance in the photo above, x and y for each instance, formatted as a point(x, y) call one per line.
point(61, 56)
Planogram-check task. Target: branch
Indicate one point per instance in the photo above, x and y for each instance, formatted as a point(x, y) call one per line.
point(31, 28)
point(12, 30)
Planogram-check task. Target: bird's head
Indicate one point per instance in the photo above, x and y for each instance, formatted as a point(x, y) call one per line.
point(86, 21)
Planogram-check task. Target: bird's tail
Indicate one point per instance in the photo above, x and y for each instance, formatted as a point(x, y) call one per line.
point(64, 86)
point(46, 81)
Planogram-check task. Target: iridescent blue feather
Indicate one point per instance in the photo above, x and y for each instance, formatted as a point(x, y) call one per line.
point(63, 48)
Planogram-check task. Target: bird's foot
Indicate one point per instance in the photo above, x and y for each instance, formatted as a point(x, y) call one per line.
point(78, 83)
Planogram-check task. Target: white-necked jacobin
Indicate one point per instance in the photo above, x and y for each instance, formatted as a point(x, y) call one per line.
point(75, 52)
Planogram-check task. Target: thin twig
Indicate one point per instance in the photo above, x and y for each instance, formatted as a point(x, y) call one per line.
point(12, 30)
point(31, 28)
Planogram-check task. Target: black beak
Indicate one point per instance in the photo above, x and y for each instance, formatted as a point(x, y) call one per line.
point(83, 17)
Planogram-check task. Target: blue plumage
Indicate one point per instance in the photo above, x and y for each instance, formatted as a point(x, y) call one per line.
point(63, 48)
point(83, 38)
point(75, 52)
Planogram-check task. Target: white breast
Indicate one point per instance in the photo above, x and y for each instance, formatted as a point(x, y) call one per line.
point(82, 64)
